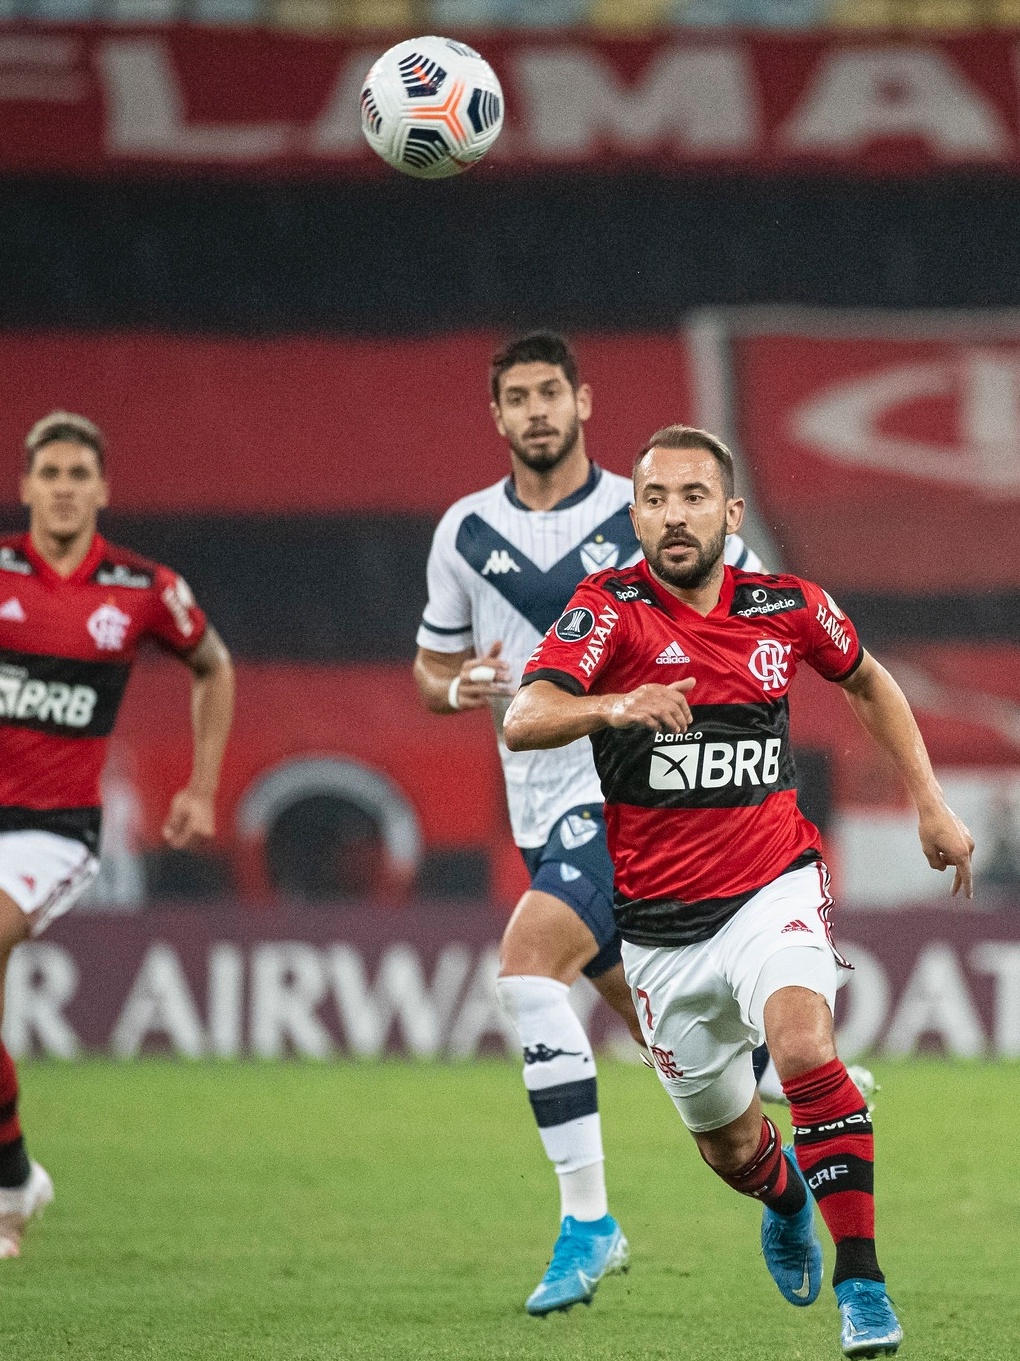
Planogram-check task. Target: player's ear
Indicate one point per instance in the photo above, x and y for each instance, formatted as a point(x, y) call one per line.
point(497, 417)
point(734, 514)
point(583, 396)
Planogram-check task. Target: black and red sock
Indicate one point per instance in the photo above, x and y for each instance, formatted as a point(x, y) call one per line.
point(766, 1176)
point(14, 1164)
point(835, 1149)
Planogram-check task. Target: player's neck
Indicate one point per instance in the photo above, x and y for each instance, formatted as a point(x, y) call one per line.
point(704, 598)
point(545, 490)
point(64, 554)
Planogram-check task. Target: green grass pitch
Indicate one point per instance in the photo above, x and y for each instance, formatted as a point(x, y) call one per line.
point(405, 1211)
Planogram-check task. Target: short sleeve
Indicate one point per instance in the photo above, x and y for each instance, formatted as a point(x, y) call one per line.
point(577, 647)
point(446, 623)
point(740, 555)
point(175, 619)
point(830, 646)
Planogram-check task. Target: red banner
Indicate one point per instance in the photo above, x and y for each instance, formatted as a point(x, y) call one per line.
point(887, 464)
point(289, 425)
point(92, 100)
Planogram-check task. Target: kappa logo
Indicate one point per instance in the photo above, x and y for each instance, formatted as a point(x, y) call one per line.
point(597, 554)
point(13, 610)
point(575, 625)
point(674, 655)
point(768, 663)
point(577, 830)
point(108, 627)
point(499, 563)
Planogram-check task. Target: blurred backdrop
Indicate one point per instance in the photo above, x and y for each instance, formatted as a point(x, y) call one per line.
point(792, 221)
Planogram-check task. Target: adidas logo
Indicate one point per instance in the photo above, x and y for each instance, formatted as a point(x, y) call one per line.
point(12, 609)
point(672, 656)
point(795, 926)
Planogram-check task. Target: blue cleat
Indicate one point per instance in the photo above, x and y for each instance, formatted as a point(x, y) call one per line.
point(791, 1248)
point(870, 1328)
point(584, 1253)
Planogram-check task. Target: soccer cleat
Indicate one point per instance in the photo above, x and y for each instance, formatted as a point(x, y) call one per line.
point(864, 1080)
point(870, 1328)
point(791, 1248)
point(584, 1253)
point(19, 1204)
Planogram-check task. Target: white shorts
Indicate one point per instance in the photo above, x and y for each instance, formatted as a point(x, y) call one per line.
point(45, 874)
point(701, 1006)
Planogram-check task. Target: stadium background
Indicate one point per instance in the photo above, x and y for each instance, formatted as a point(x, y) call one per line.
point(799, 232)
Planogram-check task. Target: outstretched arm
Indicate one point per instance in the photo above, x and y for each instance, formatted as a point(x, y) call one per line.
point(191, 821)
point(542, 715)
point(881, 707)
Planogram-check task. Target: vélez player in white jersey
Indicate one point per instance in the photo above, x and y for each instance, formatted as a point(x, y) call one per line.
point(504, 563)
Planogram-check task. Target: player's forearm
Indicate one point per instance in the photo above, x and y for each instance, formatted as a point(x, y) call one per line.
point(212, 712)
point(543, 716)
point(882, 708)
point(433, 682)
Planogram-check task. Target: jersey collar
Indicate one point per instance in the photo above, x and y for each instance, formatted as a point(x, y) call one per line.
point(574, 499)
point(82, 572)
point(676, 607)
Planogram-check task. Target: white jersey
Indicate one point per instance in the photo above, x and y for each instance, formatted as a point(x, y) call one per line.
point(498, 571)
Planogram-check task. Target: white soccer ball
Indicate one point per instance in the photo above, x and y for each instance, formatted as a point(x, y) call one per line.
point(431, 107)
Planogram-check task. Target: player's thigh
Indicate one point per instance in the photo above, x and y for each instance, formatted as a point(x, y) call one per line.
point(573, 870)
point(778, 947)
point(546, 937)
point(700, 1044)
point(43, 875)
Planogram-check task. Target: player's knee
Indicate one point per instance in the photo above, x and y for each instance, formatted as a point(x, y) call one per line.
point(14, 926)
point(797, 1054)
point(726, 1152)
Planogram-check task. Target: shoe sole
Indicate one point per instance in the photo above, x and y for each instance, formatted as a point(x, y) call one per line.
point(11, 1239)
point(869, 1350)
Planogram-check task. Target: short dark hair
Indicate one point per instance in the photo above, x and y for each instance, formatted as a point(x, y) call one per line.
point(65, 426)
point(538, 347)
point(690, 437)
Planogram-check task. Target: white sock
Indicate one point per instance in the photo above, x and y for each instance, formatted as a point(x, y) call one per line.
point(770, 1088)
point(559, 1074)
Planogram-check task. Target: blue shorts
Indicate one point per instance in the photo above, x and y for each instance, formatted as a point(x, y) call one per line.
point(574, 866)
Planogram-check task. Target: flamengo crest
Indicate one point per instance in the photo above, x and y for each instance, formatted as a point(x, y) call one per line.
point(108, 627)
point(769, 662)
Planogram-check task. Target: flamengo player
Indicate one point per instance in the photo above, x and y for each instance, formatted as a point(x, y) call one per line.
point(73, 610)
point(504, 562)
point(724, 949)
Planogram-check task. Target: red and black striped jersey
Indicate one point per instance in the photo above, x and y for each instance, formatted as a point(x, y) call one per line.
point(66, 649)
point(698, 821)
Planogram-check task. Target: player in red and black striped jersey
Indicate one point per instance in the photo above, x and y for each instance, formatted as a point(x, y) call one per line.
point(678, 669)
point(73, 611)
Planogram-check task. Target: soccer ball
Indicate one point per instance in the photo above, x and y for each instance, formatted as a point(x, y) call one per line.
point(431, 107)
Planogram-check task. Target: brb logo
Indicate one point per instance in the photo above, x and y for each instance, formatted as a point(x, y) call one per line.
point(686, 761)
point(769, 662)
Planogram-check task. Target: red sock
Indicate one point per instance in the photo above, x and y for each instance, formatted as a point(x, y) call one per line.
point(835, 1149)
point(10, 1126)
point(767, 1176)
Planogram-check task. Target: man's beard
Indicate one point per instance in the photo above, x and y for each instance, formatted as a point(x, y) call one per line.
point(692, 575)
point(544, 462)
